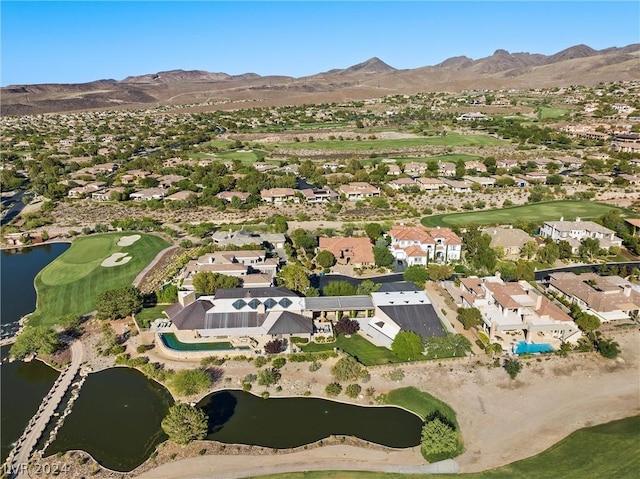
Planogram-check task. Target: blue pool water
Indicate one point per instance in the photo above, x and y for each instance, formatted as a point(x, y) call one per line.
point(528, 348)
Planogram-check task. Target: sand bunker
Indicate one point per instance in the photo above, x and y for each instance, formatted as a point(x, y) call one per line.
point(128, 240)
point(116, 259)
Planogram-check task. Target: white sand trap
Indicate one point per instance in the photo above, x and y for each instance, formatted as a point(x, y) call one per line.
point(128, 240)
point(116, 259)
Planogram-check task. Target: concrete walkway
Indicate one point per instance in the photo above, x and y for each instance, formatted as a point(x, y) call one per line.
point(138, 279)
point(328, 458)
point(21, 453)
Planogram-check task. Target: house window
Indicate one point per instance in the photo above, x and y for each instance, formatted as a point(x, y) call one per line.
point(239, 304)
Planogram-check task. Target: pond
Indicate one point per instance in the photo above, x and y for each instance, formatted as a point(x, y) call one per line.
point(24, 384)
point(237, 417)
point(19, 269)
point(116, 419)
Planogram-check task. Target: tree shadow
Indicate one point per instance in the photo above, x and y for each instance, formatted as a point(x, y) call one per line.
point(220, 407)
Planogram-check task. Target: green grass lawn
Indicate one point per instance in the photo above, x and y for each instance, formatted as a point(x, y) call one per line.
point(550, 113)
point(606, 451)
point(148, 315)
point(71, 283)
point(452, 139)
point(365, 352)
point(453, 157)
point(538, 212)
point(420, 402)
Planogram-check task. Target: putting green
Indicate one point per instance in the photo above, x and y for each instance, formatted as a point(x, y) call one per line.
point(71, 283)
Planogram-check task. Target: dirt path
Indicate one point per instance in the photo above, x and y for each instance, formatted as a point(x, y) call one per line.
point(502, 420)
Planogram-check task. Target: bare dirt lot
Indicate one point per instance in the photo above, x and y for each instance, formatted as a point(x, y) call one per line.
point(502, 420)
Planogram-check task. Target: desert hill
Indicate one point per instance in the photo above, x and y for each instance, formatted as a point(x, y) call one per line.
point(579, 64)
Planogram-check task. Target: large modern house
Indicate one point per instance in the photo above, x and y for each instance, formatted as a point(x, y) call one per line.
point(415, 245)
point(255, 316)
point(608, 298)
point(357, 252)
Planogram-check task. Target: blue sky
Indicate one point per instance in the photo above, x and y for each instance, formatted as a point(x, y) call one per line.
point(68, 42)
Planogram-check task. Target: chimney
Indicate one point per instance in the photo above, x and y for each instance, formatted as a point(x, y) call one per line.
point(626, 290)
point(577, 219)
point(538, 302)
point(562, 218)
point(185, 298)
point(229, 235)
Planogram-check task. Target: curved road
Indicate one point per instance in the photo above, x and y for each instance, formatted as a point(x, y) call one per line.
point(27, 442)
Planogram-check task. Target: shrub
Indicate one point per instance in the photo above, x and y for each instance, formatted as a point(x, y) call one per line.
point(260, 361)
point(314, 366)
point(513, 367)
point(347, 326)
point(188, 382)
point(333, 389)
point(439, 440)
point(396, 375)
point(268, 377)
point(142, 348)
point(278, 363)
point(274, 347)
point(347, 369)
point(353, 390)
point(185, 423)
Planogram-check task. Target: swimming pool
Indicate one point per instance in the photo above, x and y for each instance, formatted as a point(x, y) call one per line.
point(529, 348)
point(170, 341)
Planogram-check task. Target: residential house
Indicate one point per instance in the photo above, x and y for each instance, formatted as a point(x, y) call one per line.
point(400, 183)
point(484, 181)
point(86, 190)
point(230, 195)
point(148, 194)
point(182, 195)
point(414, 245)
point(359, 190)
point(477, 166)
point(474, 116)
point(512, 308)
point(357, 252)
point(576, 231)
point(510, 239)
point(319, 195)
point(415, 169)
point(446, 168)
point(167, 181)
point(107, 194)
point(457, 186)
point(609, 298)
point(279, 195)
point(430, 184)
point(393, 170)
point(535, 176)
point(243, 238)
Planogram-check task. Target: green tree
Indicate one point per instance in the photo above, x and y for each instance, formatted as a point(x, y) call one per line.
point(407, 345)
point(513, 367)
point(119, 303)
point(280, 224)
point(294, 277)
point(168, 294)
point(608, 348)
point(367, 287)
point(35, 340)
point(373, 231)
point(185, 423)
point(469, 317)
point(439, 440)
point(417, 274)
point(348, 369)
point(447, 346)
point(325, 259)
point(206, 282)
point(587, 322)
point(589, 247)
point(187, 382)
point(529, 249)
point(339, 288)
point(460, 169)
point(440, 272)
point(382, 256)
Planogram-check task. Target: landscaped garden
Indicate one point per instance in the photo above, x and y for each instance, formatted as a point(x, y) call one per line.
point(538, 212)
point(92, 265)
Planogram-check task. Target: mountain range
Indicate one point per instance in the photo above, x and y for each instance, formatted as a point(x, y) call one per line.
point(579, 64)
